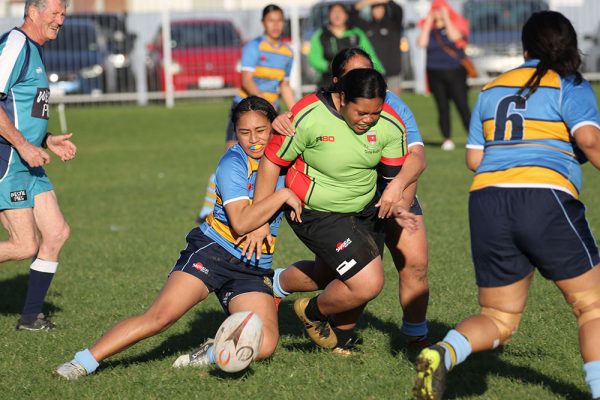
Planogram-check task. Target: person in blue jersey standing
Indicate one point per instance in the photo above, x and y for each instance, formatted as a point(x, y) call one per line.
point(29, 208)
point(531, 128)
point(212, 260)
point(266, 68)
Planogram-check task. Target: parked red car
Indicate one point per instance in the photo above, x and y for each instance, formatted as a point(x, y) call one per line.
point(206, 54)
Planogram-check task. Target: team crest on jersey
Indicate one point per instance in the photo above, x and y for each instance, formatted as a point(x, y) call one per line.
point(372, 146)
point(17, 196)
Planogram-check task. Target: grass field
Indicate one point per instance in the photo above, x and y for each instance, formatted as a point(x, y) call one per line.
point(131, 197)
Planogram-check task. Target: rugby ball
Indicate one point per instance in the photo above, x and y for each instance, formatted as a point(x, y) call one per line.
point(238, 341)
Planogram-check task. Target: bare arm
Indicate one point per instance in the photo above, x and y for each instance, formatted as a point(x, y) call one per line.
point(246, 217)
point(588, 140)
point(423, 39)
point(451, 29)
point(473, 158)
point(287, 94)
point(33, 155)
point(248, 84)
point(412, 168)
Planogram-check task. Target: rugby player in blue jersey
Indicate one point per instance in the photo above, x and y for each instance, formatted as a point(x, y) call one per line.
point(524, 210)
point(213, 260)
point(266, 67)
point(407, 248)
point(29, 209)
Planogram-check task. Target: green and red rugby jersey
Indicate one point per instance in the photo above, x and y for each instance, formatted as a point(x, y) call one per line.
point(332, 168)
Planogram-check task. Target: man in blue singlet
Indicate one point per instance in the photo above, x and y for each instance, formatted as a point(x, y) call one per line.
point(28, 203)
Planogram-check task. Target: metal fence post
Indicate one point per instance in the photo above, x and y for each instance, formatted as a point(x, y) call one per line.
point(167, 57)
point(296, 74)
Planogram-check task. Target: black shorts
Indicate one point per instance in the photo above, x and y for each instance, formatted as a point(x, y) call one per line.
point(220, 271)
point(346, 242)
point(515, 230)
point(415, 207)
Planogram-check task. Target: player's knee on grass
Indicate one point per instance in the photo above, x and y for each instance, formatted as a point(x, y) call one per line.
point(506, 323)
point(585, 304)
point(269, 344)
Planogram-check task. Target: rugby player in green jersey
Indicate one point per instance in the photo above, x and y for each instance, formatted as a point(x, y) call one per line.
point(340, 144)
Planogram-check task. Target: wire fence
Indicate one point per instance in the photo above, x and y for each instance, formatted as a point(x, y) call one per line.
point(167, 55)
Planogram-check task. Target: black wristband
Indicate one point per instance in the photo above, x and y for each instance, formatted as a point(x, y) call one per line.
point(45, 141)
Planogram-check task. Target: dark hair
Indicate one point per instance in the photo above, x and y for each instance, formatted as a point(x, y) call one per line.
point(364, 83)
point(270, 8)
point(253, 103)
point(550, 37)
point(339, 62)
point(336, 4)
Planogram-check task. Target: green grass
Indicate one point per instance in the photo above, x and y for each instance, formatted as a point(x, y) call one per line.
point(132, 195)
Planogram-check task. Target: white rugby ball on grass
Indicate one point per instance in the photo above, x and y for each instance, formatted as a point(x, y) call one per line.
point(238, 341)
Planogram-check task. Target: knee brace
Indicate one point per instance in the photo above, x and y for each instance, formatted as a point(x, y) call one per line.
point(581, 300)
point(507, 323)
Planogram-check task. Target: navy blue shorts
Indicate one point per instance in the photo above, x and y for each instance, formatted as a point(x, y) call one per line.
point(220, 271)
point(346, 242)
point(415, 207)
point(514, 230)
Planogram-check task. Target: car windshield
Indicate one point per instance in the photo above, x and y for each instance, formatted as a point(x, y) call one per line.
point(500, 15)
point(186, 36)
point(74, 38)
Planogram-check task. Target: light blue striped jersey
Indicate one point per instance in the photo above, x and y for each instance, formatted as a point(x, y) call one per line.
point(24, 88)
point(413, 136)
point(270, 65)
point(235, 179)
point(529, 142)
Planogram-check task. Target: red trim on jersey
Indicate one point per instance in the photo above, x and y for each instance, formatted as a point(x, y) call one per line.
point(390, 110)
point(272, 149)
point(297, 180)
point(303, 103)
point(395, 162)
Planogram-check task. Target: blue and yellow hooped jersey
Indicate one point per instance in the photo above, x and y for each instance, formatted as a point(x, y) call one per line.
point(270, 65)
point(235, 179)
point(24, 88)
point(529, 142)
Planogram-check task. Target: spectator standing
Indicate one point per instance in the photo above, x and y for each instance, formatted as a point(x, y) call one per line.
point(384, 30)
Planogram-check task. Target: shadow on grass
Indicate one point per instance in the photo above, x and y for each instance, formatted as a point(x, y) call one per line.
point(470, 378)
point(12, 296)
point(203, 326)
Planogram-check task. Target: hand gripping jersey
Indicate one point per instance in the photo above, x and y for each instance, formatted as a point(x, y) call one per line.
point(24, 88)
point(270, 66)
point(235, 178)
point(333, 168)
point(528, 142)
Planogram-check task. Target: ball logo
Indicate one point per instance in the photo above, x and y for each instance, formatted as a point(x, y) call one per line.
point(224, 358)
point(342, 245)
point(244, 353)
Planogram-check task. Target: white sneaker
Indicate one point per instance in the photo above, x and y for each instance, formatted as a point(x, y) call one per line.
point(70, 371)
point(448, 145)
point(197, 358)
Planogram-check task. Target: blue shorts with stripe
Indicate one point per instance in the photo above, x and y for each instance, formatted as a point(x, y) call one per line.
point(19, 184)
point(220, 271)
point(514, 230)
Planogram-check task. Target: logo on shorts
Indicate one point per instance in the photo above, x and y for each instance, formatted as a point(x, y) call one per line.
point(268, 282)
point(200, 267)
point(345, 266)
point(19, 195)
point(342, 245)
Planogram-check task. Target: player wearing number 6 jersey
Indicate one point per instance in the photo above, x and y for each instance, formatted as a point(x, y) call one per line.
point(524, 210)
